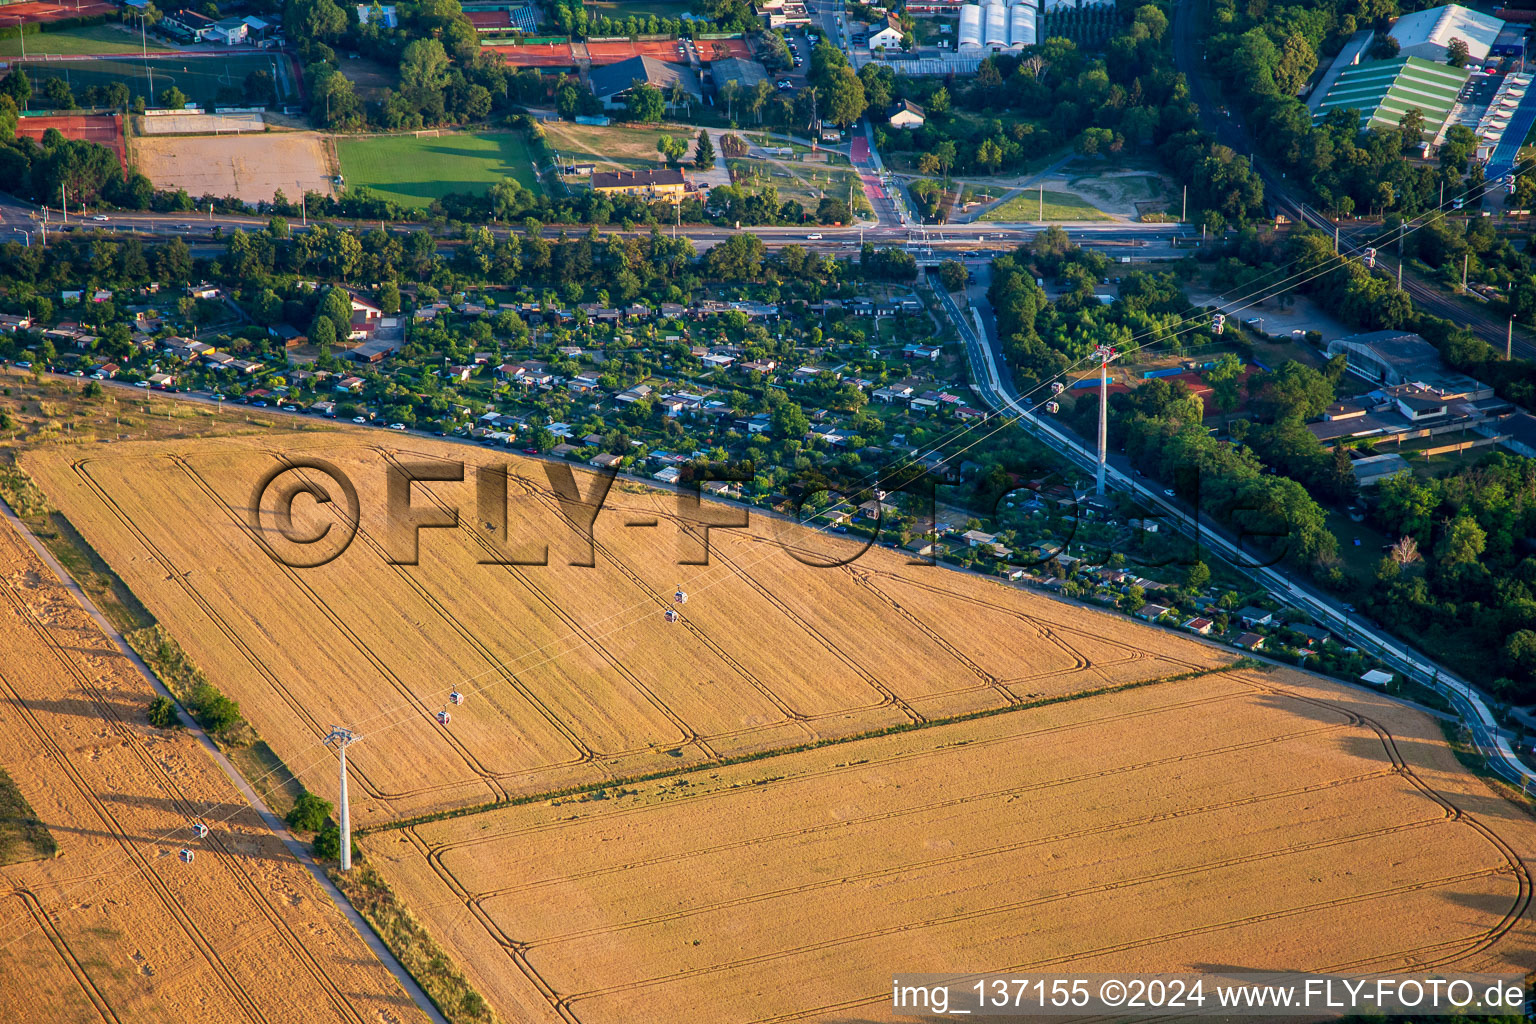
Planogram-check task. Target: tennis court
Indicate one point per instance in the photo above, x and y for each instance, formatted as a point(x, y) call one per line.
point(535, 55)
point(43, 10)
point(664, 49)
point(198, 76)
point(106, 129)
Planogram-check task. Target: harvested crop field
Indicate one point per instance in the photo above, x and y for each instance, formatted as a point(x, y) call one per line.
point(572, 674)
point(249, 167)
point(116, 927)
point(1271, 820)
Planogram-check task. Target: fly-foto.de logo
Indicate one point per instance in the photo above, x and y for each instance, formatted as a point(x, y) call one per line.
point(306, 512)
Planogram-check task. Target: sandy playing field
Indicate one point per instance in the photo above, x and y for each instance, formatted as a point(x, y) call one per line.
point(116, 927)
point(249, 167)
point(1268, 820)
point(572, 674)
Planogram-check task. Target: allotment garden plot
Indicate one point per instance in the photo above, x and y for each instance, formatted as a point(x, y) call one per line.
point(572, 674)
point(1265, 819)
point(116, 927)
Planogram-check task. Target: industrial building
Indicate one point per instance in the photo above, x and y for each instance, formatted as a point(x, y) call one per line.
point(998, 25)
point(1428, 34)
point(1384, 90)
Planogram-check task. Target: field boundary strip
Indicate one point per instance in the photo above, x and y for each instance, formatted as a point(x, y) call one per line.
point(668, 773)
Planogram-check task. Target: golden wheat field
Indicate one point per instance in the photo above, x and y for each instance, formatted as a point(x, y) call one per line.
point(115, 927)
point(1248, 820)
point(570, 672)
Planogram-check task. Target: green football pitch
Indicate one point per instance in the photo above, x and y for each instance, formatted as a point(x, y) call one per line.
point(199, 78)
point(414, 170)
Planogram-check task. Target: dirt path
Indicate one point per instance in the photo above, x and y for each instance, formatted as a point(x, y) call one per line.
point(275, 824)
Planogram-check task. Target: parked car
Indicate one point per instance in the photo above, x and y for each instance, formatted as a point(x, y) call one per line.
point(397, 426)
point(100, 217)
point(359, 419)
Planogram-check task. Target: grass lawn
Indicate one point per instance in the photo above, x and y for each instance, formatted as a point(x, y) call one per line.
point(416, 170)
point(108, 38)
point(612, 147)
point(1059, 206)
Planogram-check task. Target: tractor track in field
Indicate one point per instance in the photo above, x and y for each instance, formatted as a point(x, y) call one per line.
point(34, 909)
point(904, 757)
point(231, 635)
point(934, 805)
point(338, 622)
point(239, 997)
point(133, 741)
point(1090, 890)
point(952, 859)
point(686, 733)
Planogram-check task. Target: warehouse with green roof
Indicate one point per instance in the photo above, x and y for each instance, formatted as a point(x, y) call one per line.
point(1384, 90)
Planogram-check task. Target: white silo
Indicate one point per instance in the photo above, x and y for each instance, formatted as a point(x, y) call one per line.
point(995, 31)
point(970, 27)
point(1022, 26)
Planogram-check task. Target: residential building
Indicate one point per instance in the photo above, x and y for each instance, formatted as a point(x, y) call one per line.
point(229, 31)
point(187, 24)
point(1252, 615)
point(666, 183)
point(888, 36)
point(907, 116)
point(1373, 469)
point(1249, 642)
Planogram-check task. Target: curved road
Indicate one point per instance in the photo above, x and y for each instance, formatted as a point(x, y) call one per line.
point(988, 370)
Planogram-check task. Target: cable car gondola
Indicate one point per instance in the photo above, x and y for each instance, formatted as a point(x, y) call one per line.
point(200, 830)
point(186, 856)
point(672, 615)
point(443, 717)
point(456, 698)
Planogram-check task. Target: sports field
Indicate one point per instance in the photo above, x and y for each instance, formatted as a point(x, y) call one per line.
point(106, 129)
point(199, 77)
point(116, 927)
point(533, 55)
point(107, 38)
point(252, 166)
point(414, 170)
point(49, 10)
point(1268, 820)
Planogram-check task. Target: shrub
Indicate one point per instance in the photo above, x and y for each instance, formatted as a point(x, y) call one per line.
point(216, 712)
point(327, 842)
point(309, 813)
point(162, 714)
